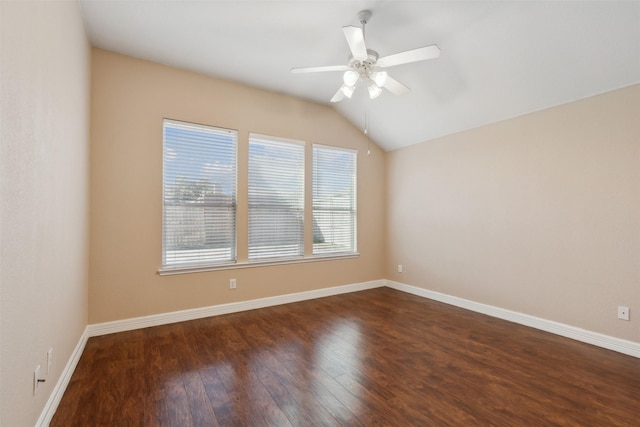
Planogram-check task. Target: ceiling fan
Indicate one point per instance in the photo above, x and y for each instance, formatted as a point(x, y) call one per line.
point(364, 64)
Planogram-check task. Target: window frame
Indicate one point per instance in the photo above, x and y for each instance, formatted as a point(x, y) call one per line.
point(201, 261)
point(295, 213)
point(353, 211)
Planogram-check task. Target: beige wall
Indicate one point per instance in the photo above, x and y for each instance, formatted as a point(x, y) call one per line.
point(130, 97)
point(539, 214)
point(44, 104)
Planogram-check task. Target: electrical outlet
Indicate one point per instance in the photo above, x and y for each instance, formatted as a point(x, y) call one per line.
point(623, 313)
point(232, 283)
point(36, 379)
point(399, 268)
point(49, 360)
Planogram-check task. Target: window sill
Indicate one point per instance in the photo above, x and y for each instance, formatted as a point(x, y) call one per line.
point(252, 264)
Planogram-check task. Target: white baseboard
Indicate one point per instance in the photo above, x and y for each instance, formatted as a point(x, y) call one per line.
point(58, 391)
point(616, 344)
point(216, 310)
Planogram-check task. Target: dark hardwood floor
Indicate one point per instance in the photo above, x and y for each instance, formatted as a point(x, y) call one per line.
point(377, 357)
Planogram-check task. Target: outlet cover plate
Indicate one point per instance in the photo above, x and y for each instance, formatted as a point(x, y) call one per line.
point(36, 376)
point(623, 313)
point(49, 360)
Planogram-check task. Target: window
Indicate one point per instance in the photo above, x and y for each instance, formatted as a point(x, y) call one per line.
point(199, 195)
point(276, 198)
point(334, 200)
point(199, 210)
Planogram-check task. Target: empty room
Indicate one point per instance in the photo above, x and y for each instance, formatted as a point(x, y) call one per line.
point(319, 213)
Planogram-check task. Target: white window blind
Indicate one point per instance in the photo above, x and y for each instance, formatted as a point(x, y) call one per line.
point(334, 200)
point(199, 195)
point(276, 198)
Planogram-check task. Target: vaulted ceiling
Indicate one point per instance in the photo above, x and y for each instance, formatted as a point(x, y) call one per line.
point(499, 59)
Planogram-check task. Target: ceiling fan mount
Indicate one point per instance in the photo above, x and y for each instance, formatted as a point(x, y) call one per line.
point(364, 64)
point(364, 16)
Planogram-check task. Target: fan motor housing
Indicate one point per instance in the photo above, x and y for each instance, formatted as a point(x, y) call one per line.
point(366, 67)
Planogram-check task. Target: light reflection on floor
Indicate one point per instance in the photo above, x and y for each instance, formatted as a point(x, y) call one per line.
point(285, 371)
point(338, 353)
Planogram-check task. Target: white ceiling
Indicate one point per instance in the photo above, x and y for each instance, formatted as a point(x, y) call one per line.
point(499, 59)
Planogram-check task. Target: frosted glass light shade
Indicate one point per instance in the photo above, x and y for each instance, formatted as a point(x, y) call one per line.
point(347, 90)
point(350, 77)
point(380, 78)
point(374, 89)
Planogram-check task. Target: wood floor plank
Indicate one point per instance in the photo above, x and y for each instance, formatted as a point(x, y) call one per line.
point(376, 357)
point(284, 361)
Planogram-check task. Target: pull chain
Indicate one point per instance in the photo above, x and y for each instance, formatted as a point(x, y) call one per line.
point(366, 129)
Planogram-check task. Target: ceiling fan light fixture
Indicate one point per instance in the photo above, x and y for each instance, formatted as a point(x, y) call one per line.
point(350, 77)
point(374, 89)
point(347, 90)
point(363, 64)
point(380, 78)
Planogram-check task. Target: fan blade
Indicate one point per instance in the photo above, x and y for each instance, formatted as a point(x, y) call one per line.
point(413, 55)
point(339, 96)
point(395, 87)
point(355, 39)
point(320, 69)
